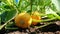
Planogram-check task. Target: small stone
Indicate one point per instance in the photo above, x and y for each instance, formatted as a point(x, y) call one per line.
point(27, 30)
point(33, 33)
point(10, 33)
point(57, 32)
point(41, 33)
point(58, 22)
point(42, 23)
point(45, 32)
point(17, 32)
point(50, 33)
point(23, 33)
point(32, 29)
point(37, 31)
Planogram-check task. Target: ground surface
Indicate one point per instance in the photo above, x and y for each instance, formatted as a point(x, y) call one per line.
point(50, 29)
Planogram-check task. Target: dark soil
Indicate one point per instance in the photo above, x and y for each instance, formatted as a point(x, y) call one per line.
point(50, 29)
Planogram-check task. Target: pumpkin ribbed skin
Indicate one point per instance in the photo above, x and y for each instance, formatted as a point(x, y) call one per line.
point(23, 20)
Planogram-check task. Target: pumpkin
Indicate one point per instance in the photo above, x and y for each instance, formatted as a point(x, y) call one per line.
point(23, 20)
point(35, 16)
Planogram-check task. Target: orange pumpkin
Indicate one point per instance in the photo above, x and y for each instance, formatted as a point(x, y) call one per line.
point(36, 17)
point(23, 20)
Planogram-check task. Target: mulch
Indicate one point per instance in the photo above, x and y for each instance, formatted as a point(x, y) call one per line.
point(50, 29)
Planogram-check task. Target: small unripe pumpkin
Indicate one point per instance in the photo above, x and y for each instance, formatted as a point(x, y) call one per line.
point(23, 20)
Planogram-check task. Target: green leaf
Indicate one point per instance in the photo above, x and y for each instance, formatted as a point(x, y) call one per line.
point(47, 3)
point(3, 0)
point(8, 17)
point(10, 14)
point(3, 16)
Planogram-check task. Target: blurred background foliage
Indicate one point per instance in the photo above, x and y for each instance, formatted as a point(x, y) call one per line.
point(7, 11)
point(28, 5)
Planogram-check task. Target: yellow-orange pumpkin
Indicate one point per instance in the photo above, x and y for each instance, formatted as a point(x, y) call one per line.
point(23, 20)
point(36, 17)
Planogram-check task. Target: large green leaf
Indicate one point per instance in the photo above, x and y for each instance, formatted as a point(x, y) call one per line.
point(8, 17)
point(11, 14)
point(3, 16)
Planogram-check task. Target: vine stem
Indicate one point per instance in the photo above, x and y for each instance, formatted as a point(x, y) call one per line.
point(10, 28)
point(44, 20)
point(39, 21)
point(56, 15)
point(44, 25)
point(31, 6)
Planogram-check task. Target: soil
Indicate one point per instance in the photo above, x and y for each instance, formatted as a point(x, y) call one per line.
point(50, 29)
